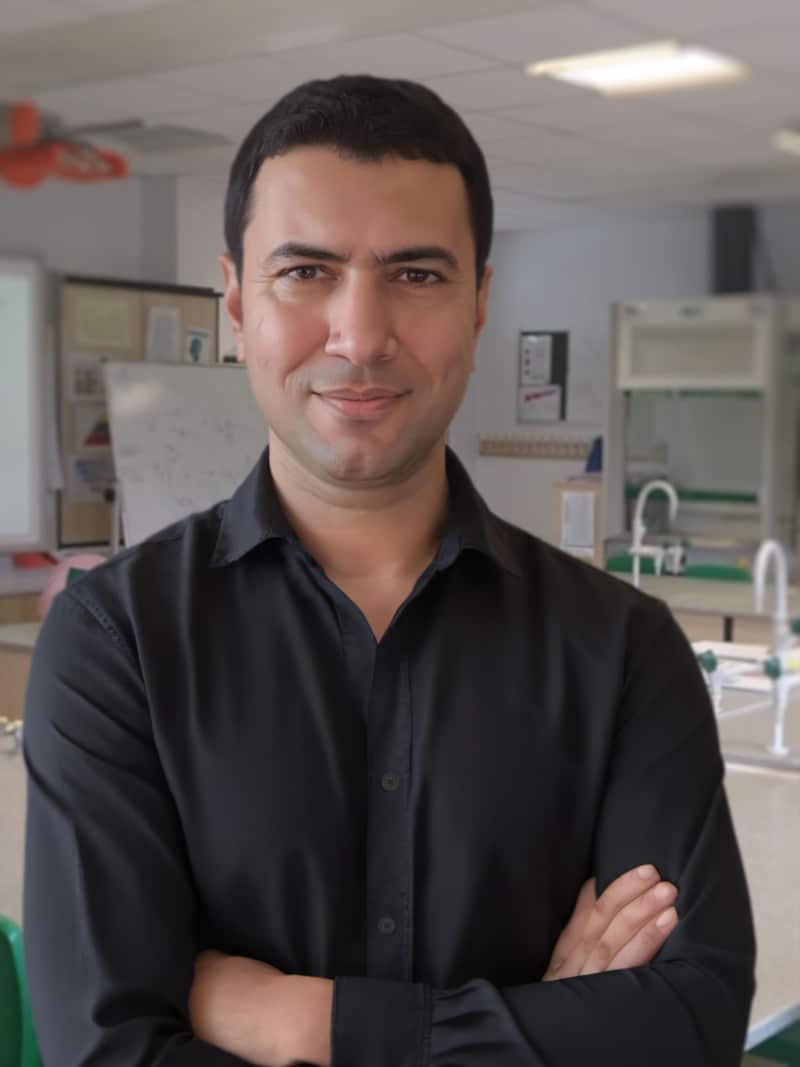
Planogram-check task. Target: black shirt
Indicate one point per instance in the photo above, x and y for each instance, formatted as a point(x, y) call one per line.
point(221, 756)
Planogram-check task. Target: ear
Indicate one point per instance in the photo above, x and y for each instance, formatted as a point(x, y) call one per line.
point(483, 297)
point(232, 299)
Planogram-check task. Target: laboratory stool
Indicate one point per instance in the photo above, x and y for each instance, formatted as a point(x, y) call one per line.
point(18, 1047)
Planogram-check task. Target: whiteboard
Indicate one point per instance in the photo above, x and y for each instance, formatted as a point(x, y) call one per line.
point(183, 438)
point(22, 404)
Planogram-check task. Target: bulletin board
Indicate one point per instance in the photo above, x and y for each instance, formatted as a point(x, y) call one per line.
point(103, 320)
point(543, 372)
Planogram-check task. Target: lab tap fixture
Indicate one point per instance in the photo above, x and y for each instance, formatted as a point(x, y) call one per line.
point(772, 551)
point(638, 549)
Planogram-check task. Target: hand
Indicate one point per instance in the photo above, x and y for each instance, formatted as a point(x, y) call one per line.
point(618, 930)
point(258, 1013)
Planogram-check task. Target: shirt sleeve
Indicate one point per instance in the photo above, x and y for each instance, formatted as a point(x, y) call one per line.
point(664, 803)
point(109, 909)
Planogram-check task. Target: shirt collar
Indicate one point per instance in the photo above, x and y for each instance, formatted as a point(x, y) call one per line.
point(254, 515)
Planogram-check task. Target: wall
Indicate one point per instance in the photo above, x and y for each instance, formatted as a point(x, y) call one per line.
point(159, 259)
point(201, 241)
point(565, 280)
point(76, 228)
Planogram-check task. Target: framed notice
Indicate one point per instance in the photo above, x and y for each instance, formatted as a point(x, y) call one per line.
point(542, 376)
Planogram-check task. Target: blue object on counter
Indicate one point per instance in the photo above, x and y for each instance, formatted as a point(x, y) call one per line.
point(595, 461)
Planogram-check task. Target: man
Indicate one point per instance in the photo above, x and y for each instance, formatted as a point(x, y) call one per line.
point(318, 776)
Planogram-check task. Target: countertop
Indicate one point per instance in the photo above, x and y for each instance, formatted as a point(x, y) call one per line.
point(711, 597)
point(20, 636)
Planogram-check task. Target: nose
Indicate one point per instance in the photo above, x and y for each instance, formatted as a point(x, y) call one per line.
point(360, 322)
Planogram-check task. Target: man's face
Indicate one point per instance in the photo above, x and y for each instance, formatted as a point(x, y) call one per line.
point(358, 278)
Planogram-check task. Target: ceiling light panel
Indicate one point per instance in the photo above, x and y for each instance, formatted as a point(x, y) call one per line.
point(538, 34)
point(657, 67)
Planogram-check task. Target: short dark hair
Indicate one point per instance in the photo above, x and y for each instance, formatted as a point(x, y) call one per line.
point(367, 119)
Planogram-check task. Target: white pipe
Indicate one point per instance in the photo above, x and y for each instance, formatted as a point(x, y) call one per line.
point(641, 502)
point(772, 551)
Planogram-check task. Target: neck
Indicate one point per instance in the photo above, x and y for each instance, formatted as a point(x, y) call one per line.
point(385, 533)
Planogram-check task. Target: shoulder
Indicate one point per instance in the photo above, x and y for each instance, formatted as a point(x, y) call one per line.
point(577, 597)
point(148, 579)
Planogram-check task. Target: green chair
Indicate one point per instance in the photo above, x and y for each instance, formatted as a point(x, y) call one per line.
point(18, 1046)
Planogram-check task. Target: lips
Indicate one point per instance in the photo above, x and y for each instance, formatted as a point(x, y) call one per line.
point(361, 405)
point(359, 394)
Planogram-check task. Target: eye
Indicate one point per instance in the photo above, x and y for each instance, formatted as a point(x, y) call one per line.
point(301, 274)
point(420, 277)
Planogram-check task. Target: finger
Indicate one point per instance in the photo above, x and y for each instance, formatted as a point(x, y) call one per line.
point(207, 956)
point(647, 943)
point(622, 892)
point(626, 925)
point(571, 933)
point(617, 896)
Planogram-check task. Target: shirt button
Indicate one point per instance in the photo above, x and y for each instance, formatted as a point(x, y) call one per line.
point(386, 925)
point(390, 782)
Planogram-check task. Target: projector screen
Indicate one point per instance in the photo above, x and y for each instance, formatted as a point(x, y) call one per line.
point(22, 337)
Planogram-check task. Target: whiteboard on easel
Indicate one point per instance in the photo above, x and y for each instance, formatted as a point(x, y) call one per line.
point(183, 438)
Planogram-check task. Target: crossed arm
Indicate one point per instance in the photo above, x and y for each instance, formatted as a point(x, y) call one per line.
point(254, 1011)
point(97, 796)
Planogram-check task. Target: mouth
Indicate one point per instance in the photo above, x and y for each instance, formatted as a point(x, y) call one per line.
point(361, 405)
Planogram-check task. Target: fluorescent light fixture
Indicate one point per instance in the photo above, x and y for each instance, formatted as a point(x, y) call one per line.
point(787, 140)
point(646, 68)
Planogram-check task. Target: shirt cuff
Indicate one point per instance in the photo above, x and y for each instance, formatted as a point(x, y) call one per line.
point(379, 1021)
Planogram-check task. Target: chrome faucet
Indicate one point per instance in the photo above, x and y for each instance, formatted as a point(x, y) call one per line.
point(772, 551)
point(638, 549)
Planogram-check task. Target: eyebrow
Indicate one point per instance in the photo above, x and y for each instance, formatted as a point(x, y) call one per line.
point(413, 254)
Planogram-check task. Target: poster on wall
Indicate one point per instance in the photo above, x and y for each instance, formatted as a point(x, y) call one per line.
point(85, 378)
point(91, 427)
point(163, 335)
point(539, 403)
point(197, 346)
point(542, 376)
point(104, 320)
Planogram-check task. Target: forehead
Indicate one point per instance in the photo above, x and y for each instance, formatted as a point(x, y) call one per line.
point(316, 195)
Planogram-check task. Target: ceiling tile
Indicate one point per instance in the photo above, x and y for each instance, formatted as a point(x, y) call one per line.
point(541, 148)
point(269, 76)
point(117, 7)
point(260, 79)
point(126, 98)
point(757, 103)
point(399, 55)
point(686, 16)
point(497, 88)
point(767, 43)
point(487, 128)
point(20, 16)
point(546, 33)
point(234, 121)
point(585, 111)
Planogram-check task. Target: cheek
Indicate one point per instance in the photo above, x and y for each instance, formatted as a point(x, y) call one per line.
point(443, 350)
point(278, 340)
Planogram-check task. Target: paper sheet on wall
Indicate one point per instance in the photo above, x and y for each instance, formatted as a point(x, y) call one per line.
point(85, 382)
point(163, 343)
point(91, 427)
point(577, 523)
point(88, 477)
point(540, 403)
point(536, 359)
point(104, 320)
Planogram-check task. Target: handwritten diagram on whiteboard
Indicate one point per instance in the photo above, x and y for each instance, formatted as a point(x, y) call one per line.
point(183, 438)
